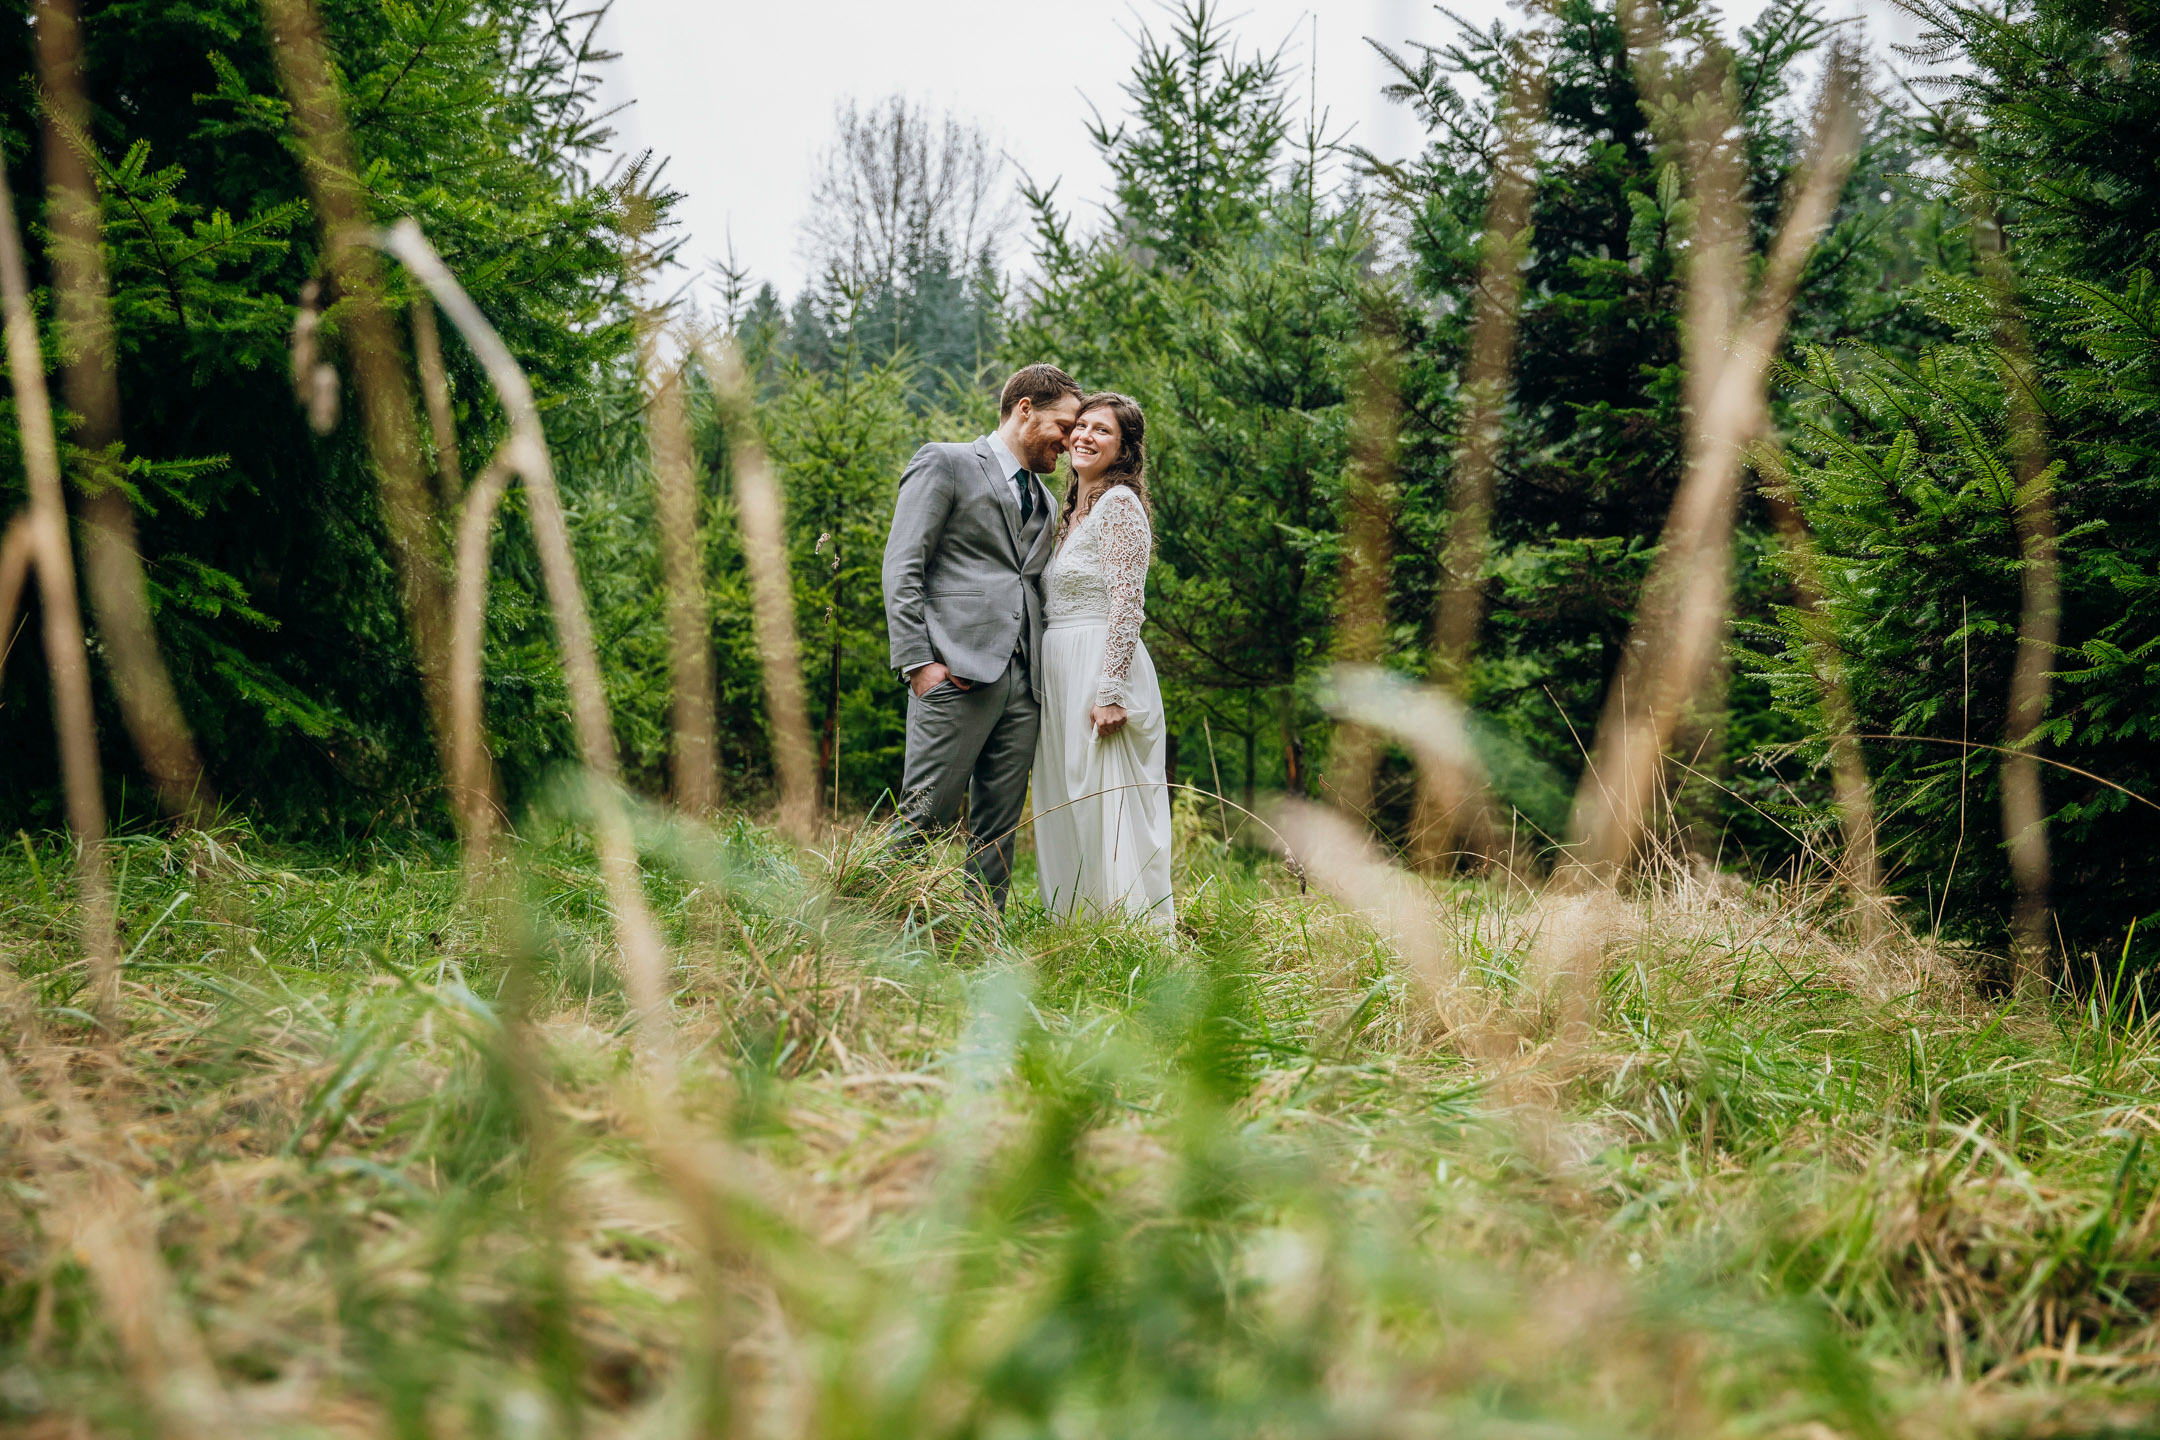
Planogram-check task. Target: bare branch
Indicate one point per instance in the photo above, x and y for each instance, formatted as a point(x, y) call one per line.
point(898, 183)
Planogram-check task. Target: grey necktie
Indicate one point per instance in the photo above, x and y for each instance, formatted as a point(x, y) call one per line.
point(1027, 494)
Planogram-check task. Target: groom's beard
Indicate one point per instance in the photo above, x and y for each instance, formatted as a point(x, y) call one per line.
point(1042, 458)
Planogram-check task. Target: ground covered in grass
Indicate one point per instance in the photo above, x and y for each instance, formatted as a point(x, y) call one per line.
point(373, 1157)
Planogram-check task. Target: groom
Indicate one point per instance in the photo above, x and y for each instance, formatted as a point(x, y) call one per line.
point(971, 533)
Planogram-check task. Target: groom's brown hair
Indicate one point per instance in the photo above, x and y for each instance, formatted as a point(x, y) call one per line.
point(1039, 385)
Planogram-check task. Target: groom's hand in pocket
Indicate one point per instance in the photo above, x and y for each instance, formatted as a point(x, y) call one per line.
point(926, 678)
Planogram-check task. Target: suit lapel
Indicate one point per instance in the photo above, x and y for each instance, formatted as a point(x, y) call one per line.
point(1008, 510)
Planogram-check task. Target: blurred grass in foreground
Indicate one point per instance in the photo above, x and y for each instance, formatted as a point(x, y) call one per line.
point(1054, 1181)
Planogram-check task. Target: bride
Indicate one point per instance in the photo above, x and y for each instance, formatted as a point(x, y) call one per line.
point(1102, 809)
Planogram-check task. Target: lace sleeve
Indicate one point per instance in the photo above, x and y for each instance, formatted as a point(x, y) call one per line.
point(1125, 547)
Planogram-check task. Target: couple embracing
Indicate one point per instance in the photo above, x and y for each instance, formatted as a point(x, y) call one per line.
point(1016, 622)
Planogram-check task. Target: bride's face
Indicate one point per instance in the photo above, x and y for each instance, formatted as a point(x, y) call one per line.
point(1095, 443)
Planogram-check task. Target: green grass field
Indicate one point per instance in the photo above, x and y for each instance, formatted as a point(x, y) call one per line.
point(373, 1158)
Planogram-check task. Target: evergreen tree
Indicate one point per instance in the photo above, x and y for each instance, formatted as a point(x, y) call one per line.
point(1195, 162)
point(1226, 294)
point(839, 441)
point(1250, 470)
point(1909, 480)
point(1595, 434)
point(272, 596)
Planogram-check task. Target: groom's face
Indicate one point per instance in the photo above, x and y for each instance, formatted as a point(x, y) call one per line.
point(1044, 431)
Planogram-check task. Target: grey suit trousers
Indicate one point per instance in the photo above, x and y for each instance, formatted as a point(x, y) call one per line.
point(978, 745)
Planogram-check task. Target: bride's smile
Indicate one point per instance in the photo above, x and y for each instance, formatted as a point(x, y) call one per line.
point(1094, 444)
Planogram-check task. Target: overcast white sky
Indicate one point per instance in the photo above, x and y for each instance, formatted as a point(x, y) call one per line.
point(739, 95)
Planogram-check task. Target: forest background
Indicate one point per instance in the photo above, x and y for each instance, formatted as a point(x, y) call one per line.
point(1264, 292)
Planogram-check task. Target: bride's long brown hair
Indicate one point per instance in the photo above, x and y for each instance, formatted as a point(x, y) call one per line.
point(1130, 467)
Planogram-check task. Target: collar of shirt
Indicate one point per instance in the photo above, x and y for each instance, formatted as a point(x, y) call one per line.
point(1003, 456)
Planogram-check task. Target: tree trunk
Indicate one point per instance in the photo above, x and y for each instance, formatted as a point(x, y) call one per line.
point(1249, 764)
point(829, 746)
point(1293, 745)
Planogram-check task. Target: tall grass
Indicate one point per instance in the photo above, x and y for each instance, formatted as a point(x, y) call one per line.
point(37, 546)
point(112, 562)
point(1044, 1179)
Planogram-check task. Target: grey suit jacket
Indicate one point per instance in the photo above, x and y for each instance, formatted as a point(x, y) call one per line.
point(963, 576)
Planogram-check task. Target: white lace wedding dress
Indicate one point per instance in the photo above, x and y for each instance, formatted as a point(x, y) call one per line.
point(1102, 809)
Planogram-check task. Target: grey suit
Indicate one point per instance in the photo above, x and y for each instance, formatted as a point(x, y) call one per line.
point(963, 586)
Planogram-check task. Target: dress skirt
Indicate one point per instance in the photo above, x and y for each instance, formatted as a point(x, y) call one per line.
point(1102, 809)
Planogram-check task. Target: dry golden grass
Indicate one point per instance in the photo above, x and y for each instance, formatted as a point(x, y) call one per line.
point(919, 1176)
